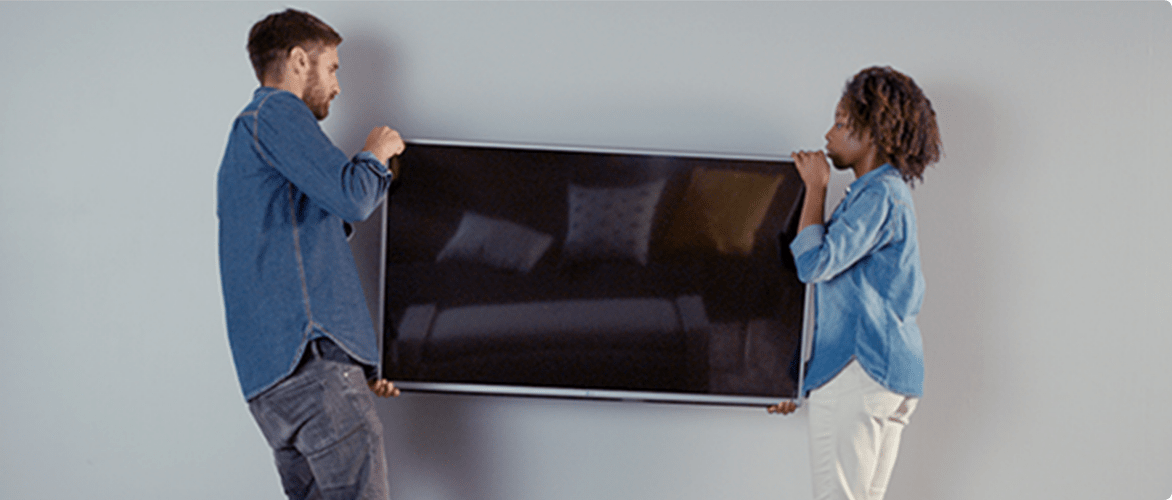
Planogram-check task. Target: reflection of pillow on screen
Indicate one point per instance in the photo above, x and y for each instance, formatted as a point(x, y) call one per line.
point(496, 243)
point(611, 223)
point(722, 210)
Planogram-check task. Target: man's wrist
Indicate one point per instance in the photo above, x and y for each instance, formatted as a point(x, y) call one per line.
point(369, 156)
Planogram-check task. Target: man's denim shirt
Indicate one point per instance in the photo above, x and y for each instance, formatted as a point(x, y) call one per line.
point(865, 262)
point(286, 269)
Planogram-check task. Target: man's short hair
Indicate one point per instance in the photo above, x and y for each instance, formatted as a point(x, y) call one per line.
point(891, 108)
point(271, 39)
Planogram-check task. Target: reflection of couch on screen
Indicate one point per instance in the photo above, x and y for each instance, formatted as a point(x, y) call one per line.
point(526, 267)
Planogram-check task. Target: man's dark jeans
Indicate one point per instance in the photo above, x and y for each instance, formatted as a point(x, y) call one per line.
point(325, 435)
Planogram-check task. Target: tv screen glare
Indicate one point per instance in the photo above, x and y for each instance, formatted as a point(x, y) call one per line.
point(589, 273)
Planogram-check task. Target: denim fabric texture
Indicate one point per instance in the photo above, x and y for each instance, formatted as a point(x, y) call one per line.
point(287, 272)
point(326, 437)
point(865, 263)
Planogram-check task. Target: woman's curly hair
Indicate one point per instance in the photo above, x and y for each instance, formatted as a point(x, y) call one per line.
point(887, 105)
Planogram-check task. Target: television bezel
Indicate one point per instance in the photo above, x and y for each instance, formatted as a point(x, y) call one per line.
point(488, 389)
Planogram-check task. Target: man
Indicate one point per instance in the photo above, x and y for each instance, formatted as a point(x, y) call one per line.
point(301, 336)
point(866, 373)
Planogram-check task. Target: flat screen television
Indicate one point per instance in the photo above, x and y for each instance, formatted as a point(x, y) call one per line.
point(588, 273)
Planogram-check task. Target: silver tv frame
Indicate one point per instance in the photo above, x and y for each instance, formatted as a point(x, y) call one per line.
point(379, 309)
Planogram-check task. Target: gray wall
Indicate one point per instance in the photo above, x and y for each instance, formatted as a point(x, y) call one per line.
point(1044, 233)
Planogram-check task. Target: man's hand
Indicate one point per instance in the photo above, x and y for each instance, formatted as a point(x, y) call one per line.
point(384, 143)
point(784, 407)
point(383, 388)
point(813, 168)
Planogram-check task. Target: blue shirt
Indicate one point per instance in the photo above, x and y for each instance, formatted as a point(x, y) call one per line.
point(287, 272)
point(865, 262)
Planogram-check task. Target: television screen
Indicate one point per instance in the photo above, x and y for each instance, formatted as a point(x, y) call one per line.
point(581, 273)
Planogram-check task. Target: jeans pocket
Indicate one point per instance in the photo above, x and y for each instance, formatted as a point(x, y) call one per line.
point(349, 448)
point(282, 410)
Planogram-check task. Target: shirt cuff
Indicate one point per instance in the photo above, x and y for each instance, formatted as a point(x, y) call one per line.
point(367, 155)
point(809, 239)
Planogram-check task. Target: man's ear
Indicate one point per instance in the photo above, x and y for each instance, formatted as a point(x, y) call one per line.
point(298, 61)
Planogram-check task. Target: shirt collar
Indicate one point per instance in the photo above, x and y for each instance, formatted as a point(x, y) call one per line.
point(871, 176)
point(264, 90)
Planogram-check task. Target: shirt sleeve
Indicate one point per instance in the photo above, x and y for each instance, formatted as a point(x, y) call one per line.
point(289, 138)
point(823, 252)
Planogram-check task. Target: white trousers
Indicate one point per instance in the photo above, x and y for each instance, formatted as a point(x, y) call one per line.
point(855, 427)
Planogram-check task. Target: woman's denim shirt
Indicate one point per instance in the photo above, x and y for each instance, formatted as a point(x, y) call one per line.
point(286, 269)
point(865, 262)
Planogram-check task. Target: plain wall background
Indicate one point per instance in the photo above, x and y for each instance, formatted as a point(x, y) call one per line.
point(1044, 234)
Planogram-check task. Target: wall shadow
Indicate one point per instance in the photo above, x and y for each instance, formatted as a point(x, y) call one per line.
point(959, 241)
point(433, 447)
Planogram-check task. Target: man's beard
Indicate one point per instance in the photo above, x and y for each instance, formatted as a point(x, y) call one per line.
point(316, 97)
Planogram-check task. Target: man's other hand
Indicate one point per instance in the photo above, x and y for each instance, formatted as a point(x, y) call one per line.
point(383, 388)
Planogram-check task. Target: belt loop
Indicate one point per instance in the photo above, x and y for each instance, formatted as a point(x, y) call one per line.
point(315, 347)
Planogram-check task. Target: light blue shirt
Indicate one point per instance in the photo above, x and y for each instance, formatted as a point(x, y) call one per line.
point(865, 262)
point(287, 272)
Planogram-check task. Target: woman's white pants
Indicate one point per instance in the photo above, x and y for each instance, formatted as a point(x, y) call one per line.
point(855, 427)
